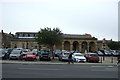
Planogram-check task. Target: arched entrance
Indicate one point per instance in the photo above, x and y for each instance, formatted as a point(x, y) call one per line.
point(91, 47)
point(66, 45)
point(84, 46)
point(75, 45)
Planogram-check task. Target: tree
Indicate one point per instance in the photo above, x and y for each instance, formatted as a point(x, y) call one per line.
point(50, 37)
point(114, 45)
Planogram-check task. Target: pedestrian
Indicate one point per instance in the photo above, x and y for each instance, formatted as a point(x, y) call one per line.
point(70, 60)
point(118, 59)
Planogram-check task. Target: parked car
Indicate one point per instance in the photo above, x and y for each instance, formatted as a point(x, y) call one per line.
point(36, 51)
point(29, 56)
point(76, 51)
point(99, 53)
point(4, 53)
point(15, 54)
point(18, 48)
point(115, 52)
point(44, 55)
point(92, 57)
point(57, 52)
point(9, 50)
point(78, 57)
point(64, 56)
point(108, 53)
point(72, 51)
point(25, 50)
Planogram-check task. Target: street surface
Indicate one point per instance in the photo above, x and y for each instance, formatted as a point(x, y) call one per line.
point(13, 69)
point(59, 71)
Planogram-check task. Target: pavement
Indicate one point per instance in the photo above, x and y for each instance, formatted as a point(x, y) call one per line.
point(103, 61)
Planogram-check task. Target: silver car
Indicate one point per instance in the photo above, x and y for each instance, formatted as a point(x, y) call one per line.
point(64, 56)
point(15, 54)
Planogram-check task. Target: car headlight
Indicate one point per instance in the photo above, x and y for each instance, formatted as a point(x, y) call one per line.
point(77, 58)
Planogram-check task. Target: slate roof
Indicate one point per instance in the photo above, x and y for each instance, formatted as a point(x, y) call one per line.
point(26, 32)
point(78, 36)
point(23, 39)
point(66, 36)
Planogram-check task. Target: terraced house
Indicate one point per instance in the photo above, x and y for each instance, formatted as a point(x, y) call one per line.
point(71, 42)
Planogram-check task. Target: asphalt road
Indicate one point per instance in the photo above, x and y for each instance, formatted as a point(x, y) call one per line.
point(58, 71)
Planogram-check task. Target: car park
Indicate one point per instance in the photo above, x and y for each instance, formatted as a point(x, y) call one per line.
point(44, 55)
point(92, 57)
point(15, 54)
point(29, 56)
point(78, 57)
point(64, 56)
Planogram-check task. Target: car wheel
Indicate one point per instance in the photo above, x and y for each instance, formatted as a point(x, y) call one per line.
point(88, 60)
point(59, 59)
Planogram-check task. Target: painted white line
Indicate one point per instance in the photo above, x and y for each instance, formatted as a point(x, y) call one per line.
point(102, 66)
point(37, 69)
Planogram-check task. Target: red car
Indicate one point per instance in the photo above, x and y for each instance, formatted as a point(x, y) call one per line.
point(92, 57)
point(29, 56)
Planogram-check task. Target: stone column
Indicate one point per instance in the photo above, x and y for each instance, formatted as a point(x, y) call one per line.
point(80, 46)
point(88, 43)
point(54, 47)
point(96, 47)
point(71, 46)
point(25, 45)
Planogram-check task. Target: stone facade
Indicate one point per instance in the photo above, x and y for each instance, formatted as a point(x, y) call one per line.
point(5, 39)
point(71, 42)
point(0, 40)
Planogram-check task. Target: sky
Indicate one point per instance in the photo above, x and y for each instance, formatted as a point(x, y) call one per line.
point(96, 17)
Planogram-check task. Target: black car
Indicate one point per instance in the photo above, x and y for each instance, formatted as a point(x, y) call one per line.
point(44, 55)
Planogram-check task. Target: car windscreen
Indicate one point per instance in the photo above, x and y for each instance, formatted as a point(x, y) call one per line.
point(78, 55)
point(16, 52)
point(34, 50)
point(25, 50)
point(58, 50)
point(66, 53)
point(94, 55)
point(30, 53)
point(2, 51)
point(44, 53)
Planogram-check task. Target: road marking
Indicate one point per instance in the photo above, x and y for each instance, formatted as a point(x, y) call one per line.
point(106, 70)
point(37, 69)
point(102, 66)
